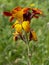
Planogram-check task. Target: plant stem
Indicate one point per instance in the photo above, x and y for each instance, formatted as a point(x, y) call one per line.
point(29, 61)
point(28, 50)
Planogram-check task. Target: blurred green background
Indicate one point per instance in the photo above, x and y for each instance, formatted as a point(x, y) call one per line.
point(14, 53)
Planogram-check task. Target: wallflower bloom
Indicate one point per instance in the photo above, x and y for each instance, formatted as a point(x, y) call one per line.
point(23, 18)
point(21, 13)
point(21, 26)
point(16, 13)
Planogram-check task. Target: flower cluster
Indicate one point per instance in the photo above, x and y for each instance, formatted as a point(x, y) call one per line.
point(23, 18)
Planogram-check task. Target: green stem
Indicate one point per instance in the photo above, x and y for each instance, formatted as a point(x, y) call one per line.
point(28, 50)
point(29, 61)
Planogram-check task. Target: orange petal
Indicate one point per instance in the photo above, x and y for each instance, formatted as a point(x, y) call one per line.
point(36, 11)
point(7, 13)
point(33, 36)
point(11, 18)
point(18, 15)
point(25, 10)
point(36, 16)
point(16, 9)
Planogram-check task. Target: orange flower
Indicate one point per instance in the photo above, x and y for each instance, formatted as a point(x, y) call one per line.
point(23, 14)
point(16, 13)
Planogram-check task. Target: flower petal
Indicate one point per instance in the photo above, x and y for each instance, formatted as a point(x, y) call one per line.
point(33, 36)
point(7, 13)
point(18, 15)
point(25, 10)
point(17, 8)
point(16, 22)
point(11, 18)
point(36, 11)
point(16, 34)
point(36, 16)
point(26, 26)
point(18, 28)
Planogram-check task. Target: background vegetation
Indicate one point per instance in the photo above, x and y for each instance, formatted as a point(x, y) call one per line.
point(14, 53)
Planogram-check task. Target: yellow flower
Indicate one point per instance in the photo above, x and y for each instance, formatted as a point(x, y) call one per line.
point(32, 5)
point(26, 26)
point(16, 22)
point(18, 28)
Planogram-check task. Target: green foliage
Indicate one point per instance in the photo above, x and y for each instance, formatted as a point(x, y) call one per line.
point(14, 53)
